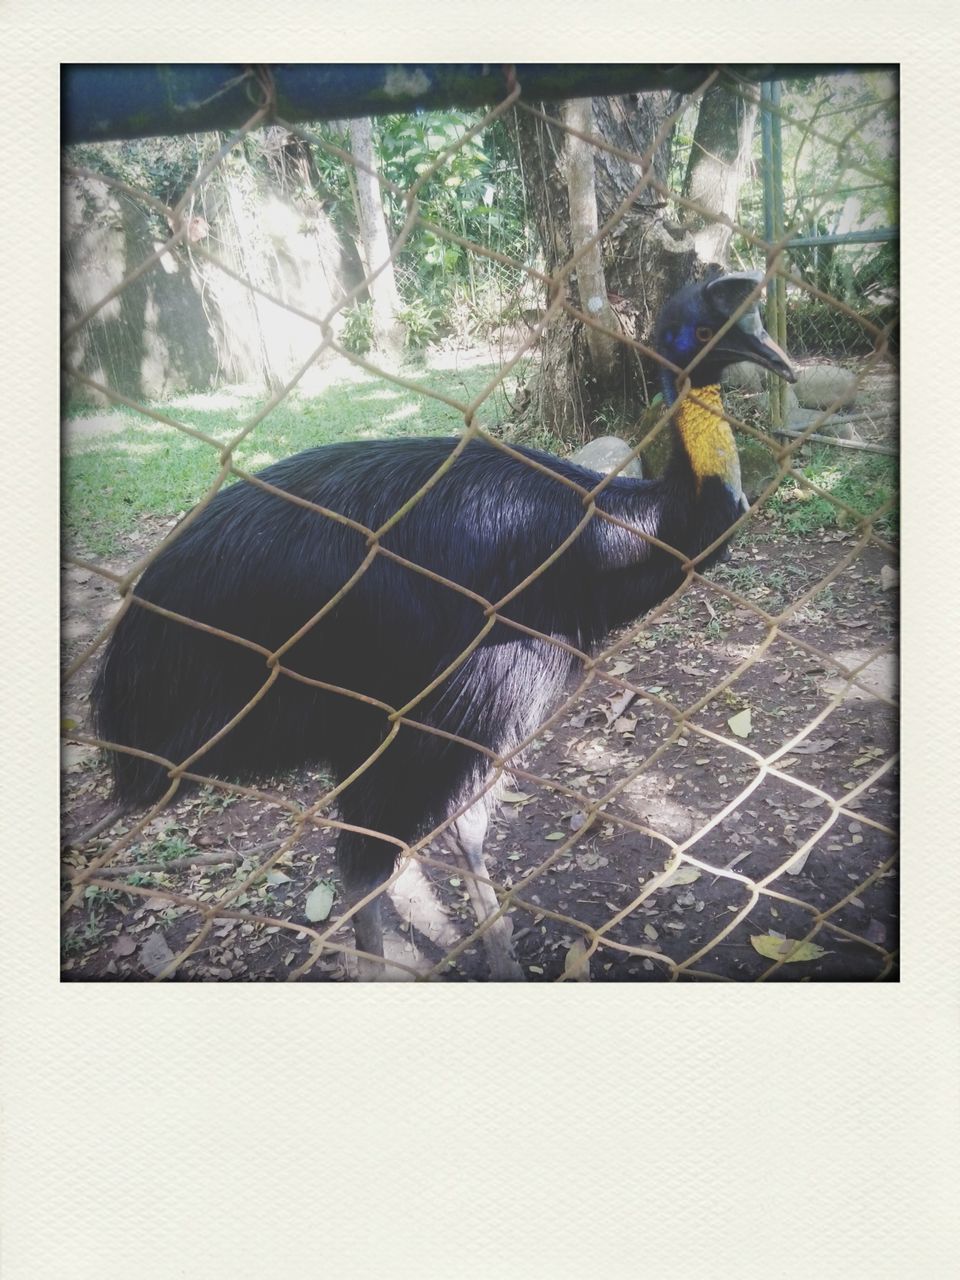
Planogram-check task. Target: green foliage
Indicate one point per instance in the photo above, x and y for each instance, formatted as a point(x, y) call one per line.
point(166, 848)
point(163, 167)
point(423, 321)
point(864, 482)
point(82, 936)
point(120, 482)
point(89, 930)
point(357, 334)
point(97, 896)
point(475, 193)
point(490, 307)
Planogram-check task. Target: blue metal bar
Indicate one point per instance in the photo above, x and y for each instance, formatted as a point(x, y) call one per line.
point(136, 100)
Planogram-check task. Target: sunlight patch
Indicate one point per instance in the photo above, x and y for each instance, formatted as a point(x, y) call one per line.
point(258, 461)
point(226, 398)
point(405, 411)
point(139, 448)
point(102, 424)
point(881, 676)
point(383, 393)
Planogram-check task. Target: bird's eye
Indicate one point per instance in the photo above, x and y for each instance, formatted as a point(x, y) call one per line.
point(703, 333)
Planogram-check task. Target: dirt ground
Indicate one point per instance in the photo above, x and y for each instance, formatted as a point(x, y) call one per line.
point(843, 883)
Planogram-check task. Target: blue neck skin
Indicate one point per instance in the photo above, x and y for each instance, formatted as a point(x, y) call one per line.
point(668, 382)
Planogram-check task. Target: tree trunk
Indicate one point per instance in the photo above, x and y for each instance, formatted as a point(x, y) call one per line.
point(718, 161)
point(645, 258)
point(387, 331)
point(582, 196)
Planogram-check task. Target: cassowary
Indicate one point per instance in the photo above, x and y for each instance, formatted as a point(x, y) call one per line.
point(260, 567)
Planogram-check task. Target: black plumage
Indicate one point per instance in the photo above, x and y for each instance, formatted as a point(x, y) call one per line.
point(260, 568)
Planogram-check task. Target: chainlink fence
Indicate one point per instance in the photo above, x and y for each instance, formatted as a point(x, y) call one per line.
point(715, 796)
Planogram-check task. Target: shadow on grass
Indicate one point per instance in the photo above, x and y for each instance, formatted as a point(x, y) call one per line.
point(119, 468)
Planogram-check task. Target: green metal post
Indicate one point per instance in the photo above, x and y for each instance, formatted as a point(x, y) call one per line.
point(773, 221)
point(780, 284)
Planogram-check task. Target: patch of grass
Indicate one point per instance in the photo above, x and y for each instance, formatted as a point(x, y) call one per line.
point(862, 481)
point(111, 481)
point(214, 801)
point(96, 896)
point(714, 629)
point(81, 937)
point(753, 584)
point(89, 931)
point(668, 632)
point(166, 848)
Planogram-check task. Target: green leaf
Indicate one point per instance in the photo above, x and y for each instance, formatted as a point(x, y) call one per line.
point(319, 901)
point(740, 724)
point(682, 875)
point(776, 948)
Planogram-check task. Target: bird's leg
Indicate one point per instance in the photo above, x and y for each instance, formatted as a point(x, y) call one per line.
point(368, 936)
point(365, 864)
point(466, 837)
point(416, 902)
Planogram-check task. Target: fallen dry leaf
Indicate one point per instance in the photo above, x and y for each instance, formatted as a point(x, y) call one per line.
point(682, 875)
point(813, 746)
point(575, 963)
point(741, 723)
point(786, 949)
point(618, 704)
point(514, 797)
point(155, 954)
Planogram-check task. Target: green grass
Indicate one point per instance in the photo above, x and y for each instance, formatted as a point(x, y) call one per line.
point(863, 481)
point(168, 847)
point(113, 480)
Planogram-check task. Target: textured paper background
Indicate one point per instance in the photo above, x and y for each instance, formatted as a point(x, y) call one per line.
point(672, 1131)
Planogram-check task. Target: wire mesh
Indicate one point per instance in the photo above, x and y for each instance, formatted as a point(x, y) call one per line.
point(713, 797)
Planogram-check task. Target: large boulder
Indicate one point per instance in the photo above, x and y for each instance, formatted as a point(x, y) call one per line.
point(605, 454)
point(819, 386)
point(743, 376)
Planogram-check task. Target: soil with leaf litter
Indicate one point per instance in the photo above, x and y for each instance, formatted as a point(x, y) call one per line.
point(595, 746)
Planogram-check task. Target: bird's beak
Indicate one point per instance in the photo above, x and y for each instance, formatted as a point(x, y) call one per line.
point(748, 340)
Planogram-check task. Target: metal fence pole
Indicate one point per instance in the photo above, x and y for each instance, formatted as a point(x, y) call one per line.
point(773, 226)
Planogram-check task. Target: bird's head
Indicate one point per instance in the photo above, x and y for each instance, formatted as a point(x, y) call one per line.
point(691, 319)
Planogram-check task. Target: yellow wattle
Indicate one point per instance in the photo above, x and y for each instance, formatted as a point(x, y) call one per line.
point(707, 438)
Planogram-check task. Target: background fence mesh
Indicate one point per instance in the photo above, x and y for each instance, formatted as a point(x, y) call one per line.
point(715, 796)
